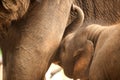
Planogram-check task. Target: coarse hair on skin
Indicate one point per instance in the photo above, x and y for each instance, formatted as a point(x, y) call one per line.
point(12, 10)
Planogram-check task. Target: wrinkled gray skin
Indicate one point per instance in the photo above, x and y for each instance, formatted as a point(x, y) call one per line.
point(29, 44)
point(104, 12)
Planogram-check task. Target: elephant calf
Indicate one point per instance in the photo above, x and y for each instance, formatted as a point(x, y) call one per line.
point(92, 52)
point(70, 50)
point(104, 64)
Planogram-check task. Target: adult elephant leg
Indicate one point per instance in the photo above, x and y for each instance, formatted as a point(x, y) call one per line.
point(31, 43)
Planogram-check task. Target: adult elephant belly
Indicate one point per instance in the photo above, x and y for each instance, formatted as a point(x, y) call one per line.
point(31, 42)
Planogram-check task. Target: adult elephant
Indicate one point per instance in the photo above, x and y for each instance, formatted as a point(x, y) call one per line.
point(29, 43)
